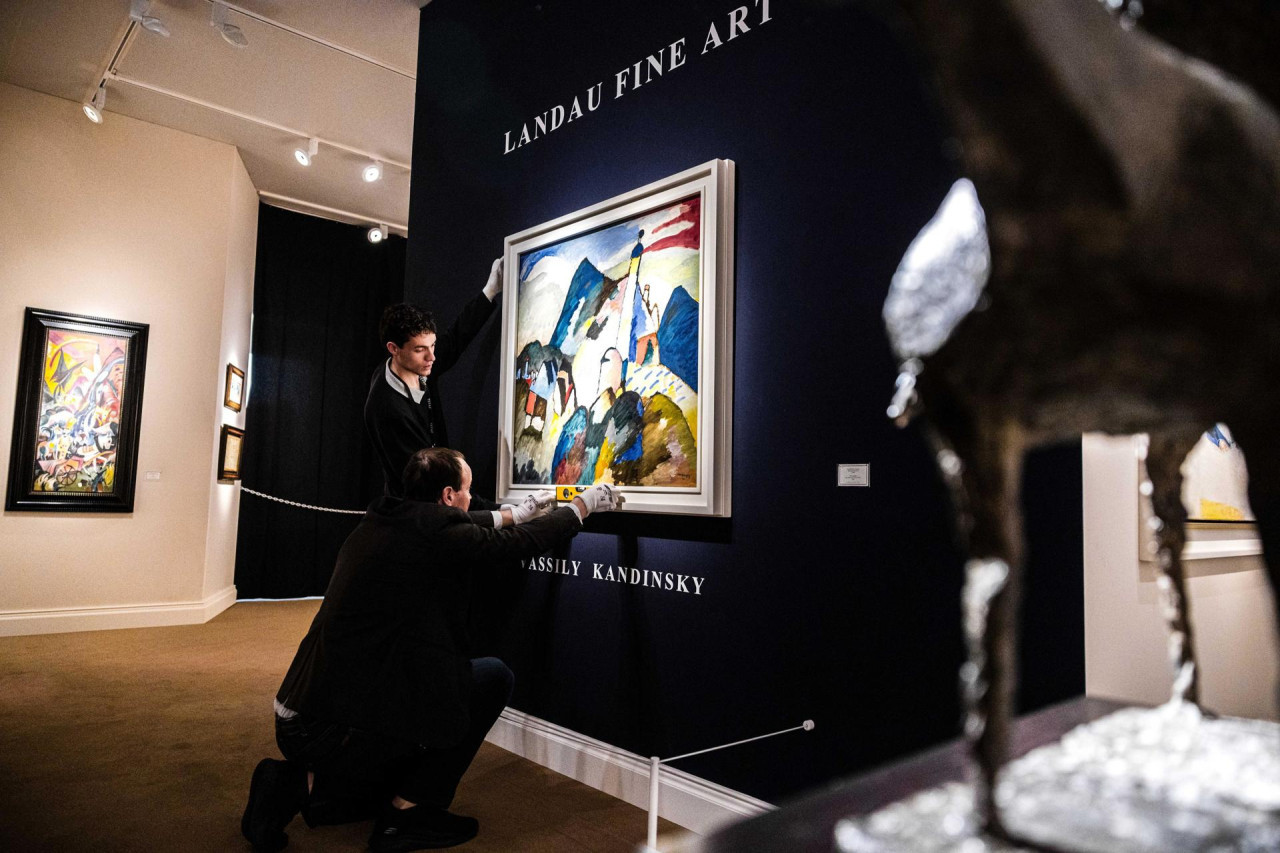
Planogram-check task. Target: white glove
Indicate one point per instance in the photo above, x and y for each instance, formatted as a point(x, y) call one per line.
point(534, 505)
point(599, 498)
point(493, 286)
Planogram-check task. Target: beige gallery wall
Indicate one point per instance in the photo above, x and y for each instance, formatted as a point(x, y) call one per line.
point(1125, 638)
point(130, 221)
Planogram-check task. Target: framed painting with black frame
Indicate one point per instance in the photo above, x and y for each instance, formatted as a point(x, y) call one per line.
point(230, 445)
point(79, 407)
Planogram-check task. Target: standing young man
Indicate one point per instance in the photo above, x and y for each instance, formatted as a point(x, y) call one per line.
point(403, 413)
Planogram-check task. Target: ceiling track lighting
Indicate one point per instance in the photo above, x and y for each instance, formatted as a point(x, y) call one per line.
point(372, 172)
point(231, 34)
point(93, 108)
point(377, 234)
point(139, 13)
point(304, 153)
point(304, 156)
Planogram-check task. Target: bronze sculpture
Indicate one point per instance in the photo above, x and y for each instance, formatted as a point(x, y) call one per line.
point(1127, 239)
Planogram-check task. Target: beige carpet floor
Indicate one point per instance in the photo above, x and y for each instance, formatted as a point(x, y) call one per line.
point(144, 740)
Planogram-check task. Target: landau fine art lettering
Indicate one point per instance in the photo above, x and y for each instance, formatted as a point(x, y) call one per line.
point(740, 21)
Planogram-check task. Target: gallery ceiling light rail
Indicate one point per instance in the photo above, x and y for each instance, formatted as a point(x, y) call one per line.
point(152, 66)
point(117, 77)
point(311, 37)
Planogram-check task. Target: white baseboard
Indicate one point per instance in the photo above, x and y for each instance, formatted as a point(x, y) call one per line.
point(684, 799)
point(16, 623)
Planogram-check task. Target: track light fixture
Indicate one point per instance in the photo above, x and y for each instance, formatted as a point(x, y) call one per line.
point(231, 34)
point(94, 107)
point(372, 172)
point(304, 156)
point(377, 234)
point(138, 12)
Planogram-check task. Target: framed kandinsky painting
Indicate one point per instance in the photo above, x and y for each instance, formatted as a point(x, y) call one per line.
point(75, 431)
point(617, 348)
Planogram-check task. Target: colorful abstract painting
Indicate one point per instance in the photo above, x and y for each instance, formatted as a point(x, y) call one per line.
point(617, 348)
point(79, 415)
point(75, 433)
point(607, 349)
point(1215, 482)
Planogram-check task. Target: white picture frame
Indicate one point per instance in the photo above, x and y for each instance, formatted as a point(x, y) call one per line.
point(1206, 540)
point(533, 433)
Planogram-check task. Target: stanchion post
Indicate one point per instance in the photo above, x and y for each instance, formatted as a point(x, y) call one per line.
point(655, 764)
point(654, 780)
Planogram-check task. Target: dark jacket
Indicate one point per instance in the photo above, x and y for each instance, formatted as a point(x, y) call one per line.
point(388, 650)
point(399, 427)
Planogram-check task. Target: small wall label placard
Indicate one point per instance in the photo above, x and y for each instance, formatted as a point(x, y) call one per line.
point(853, 474)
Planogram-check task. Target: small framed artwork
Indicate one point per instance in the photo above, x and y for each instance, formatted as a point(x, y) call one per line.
point(617, 348)
point(1215, 493)
point(233, 398)
point(230, 443)
point(79, 407)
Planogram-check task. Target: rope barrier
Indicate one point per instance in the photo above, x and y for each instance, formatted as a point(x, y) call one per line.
point(301, 505)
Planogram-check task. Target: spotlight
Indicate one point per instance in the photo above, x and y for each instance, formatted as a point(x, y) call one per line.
point(377, 234)
point(372, 172)
point(231, 34)
point(93, 109)
point(138, 13)
point(305, 155)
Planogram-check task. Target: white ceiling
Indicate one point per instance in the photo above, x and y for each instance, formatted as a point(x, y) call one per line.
point(340, 70)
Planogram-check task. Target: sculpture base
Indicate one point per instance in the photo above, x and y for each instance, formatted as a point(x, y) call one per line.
point(1163, 780)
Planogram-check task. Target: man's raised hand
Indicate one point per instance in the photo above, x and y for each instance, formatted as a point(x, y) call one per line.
point(493, 286)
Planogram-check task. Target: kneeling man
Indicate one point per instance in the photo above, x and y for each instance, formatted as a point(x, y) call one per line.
point(382, 710)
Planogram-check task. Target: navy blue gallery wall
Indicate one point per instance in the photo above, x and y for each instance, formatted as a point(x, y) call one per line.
point(836, 604)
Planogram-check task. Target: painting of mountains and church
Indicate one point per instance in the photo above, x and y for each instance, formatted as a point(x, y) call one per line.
point(607, 343)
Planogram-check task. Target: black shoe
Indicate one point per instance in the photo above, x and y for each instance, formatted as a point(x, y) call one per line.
point(420, 828)
point(277, 792)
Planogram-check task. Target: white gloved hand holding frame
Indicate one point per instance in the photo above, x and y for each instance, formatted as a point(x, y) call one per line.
point(599, 498)
point(539, 503)
point(493, 286)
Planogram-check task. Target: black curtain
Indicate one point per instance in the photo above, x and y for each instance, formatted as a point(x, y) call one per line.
point(319, 290)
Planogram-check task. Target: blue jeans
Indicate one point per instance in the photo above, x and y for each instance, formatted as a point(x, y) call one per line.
point(363, 769)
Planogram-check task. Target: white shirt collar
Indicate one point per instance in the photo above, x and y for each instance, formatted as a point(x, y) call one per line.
point(413, 392)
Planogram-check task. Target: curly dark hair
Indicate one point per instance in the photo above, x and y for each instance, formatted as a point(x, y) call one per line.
point(429, 471)
point(404, 321)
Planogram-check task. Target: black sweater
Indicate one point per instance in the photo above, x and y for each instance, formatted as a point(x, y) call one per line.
point(399, 427)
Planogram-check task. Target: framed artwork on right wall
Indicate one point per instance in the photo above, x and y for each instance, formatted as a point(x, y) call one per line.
point(617, 348)
point(233, 393)
point(1215, 493)
point(1215, 481)
point(230, 446)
